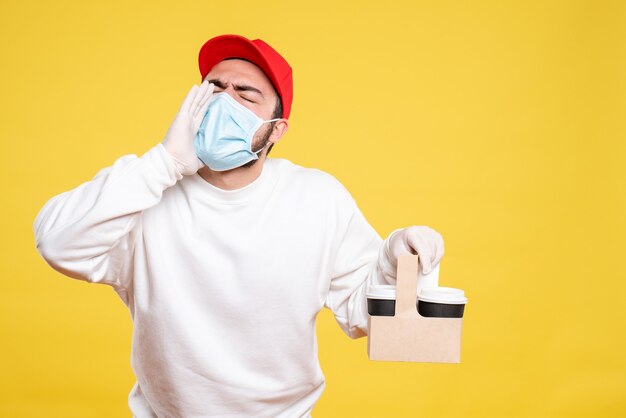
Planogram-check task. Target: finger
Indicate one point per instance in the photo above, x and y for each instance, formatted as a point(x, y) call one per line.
point(207, 96)
point(207, 92)
point(430, 236)
point(432, 243)
point(189, 99)
point(204, 101)
point(201, 112)
point(199, 94)
point(419, 244)
point(440, 248)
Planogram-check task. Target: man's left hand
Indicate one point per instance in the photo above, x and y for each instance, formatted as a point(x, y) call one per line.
point(421, 240)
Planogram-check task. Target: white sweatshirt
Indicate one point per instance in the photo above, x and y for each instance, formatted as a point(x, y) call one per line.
point(223, 286)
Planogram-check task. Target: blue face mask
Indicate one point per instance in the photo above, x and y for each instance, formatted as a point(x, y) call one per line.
point(224, 139)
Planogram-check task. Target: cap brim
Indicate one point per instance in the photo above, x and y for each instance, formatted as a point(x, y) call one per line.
point(234, 46)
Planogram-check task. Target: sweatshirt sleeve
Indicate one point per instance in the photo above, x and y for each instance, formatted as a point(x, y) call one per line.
point(361, 258)
point(88, 233)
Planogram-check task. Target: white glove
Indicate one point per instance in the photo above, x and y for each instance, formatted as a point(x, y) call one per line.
point(421, 240)
point(182, 132)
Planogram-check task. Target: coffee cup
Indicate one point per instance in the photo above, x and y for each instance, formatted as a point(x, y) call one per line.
point(381, 300)
point(441, 302)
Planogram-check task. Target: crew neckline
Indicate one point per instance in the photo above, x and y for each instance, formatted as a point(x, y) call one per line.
point(237, 196)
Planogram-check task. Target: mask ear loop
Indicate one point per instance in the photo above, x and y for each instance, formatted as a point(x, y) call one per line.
point(265, 121)
point(257, 152)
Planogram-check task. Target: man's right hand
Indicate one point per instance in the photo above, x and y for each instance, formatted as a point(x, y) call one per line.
point(179, 139)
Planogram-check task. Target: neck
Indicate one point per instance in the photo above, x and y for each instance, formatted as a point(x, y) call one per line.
point(233, 179)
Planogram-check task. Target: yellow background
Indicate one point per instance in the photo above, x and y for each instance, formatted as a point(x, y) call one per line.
point(499, 124)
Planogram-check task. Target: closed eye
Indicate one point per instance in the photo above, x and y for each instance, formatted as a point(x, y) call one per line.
point(218, 90)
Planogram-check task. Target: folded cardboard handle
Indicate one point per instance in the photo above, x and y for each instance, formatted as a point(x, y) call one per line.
point(406, 286)
point(408, 336)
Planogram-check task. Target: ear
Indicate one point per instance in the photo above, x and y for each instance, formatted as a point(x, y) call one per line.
point(279, 130)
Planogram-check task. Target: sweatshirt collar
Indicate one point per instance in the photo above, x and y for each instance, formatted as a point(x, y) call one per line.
point(236, 196)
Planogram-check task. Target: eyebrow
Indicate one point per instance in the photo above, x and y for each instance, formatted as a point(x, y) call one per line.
point(239, 87)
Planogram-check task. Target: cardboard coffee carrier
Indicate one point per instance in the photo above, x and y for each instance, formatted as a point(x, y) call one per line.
point(408, 336)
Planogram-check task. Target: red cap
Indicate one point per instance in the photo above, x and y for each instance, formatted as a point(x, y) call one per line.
point(271, 62)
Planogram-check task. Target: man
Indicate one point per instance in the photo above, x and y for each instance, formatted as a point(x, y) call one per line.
point(224, 256)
